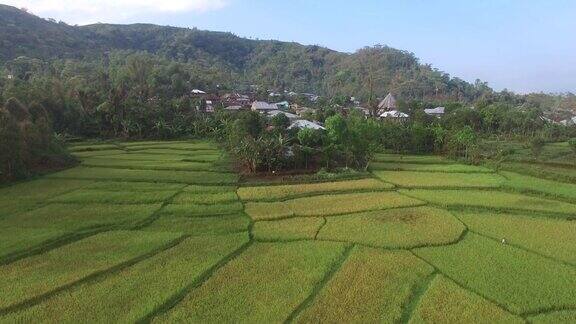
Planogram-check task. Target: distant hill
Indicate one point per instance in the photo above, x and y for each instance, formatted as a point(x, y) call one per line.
point(273, 64)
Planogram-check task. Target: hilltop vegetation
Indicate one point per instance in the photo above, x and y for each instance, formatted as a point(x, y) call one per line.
point(230, 60)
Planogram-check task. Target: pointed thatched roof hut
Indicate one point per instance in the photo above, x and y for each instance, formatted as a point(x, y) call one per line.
point(389, 103)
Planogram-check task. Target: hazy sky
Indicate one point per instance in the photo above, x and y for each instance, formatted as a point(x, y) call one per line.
point(522, 45)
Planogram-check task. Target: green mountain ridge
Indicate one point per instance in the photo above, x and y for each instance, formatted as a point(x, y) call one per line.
point(269, 63)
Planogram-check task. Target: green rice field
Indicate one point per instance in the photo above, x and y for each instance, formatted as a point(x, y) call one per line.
point(165, 232)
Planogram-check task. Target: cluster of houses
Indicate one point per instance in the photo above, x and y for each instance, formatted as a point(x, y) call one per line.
point(568, 122)
point(296, 119)
point(388, 109)
point(236, 102)
point(299, 115)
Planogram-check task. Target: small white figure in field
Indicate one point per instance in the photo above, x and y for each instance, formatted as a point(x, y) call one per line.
point(503, 241)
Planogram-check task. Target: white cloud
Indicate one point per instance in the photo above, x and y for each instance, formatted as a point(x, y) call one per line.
point(92, 11)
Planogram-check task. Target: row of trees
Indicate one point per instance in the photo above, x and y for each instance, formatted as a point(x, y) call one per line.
point(27, 143)
point(140, 95)
point(350, 140)
point(121, 95)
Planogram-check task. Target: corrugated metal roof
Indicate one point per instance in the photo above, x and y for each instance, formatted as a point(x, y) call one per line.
point(435, 111)
point(394, 114)
point(261, 105)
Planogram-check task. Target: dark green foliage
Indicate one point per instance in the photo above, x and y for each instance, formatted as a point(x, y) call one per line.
point(280, 121)
point(572, 144)
point(463, 141)
point(26, 141)
point(308, 139)
point(37, 112)
point(11, 146)
point(536, 146)
point(17, 110)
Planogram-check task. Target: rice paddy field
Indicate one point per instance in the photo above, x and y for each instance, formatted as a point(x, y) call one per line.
point(167, 232)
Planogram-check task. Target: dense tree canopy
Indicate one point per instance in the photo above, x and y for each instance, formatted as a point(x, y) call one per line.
point(135, 81)
point(227, 60)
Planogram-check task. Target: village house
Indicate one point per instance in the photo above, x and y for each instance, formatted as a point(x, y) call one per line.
point(436, 112)
point(263, 107)
point(300, 124)
point(283, 105)
point(312, 97)
point(387, 104)
point(209, 106)
point(569, 121)
point(291, 117)
point(394, 115)
point(363, 110)
point(302, 111)
point(197, 92)
point(236, 99)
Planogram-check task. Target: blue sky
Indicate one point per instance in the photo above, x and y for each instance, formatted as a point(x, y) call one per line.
point(525, 46)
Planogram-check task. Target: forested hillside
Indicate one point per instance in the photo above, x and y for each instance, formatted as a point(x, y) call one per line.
point(234, 61)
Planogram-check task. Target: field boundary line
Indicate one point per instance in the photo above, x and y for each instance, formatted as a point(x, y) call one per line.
point(321, 227)
point(55, 243)
point(417, 292)
point(459, 188)
point(334, 268)
point(177, 297)
point(386, 248)
point(420, 204)
point(464, 208)
point(318, 193)
point(143, 168)
point(488, 171)
point(538, 194)
point(514, 211)
point(520, 247)
point(157, 213)
point(94, 276)
point(549, 310)
point(504, 307)
point(541, 174)
point(47, 201)
point(201, 216)
point(245, 181)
